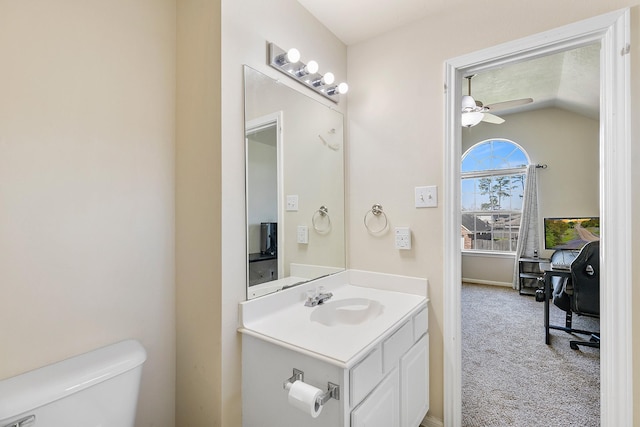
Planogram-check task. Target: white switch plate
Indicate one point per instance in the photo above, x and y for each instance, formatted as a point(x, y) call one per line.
point(426, 197)
point(292, 202)
point(403, 238)
point(303, 234)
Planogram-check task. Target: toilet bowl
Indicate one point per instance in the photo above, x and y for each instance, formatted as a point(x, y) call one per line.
point(94, 389)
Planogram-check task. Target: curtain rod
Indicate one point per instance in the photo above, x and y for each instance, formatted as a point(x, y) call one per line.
point(541, 166)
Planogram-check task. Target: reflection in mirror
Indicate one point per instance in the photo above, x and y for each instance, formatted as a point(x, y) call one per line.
point(295, 186)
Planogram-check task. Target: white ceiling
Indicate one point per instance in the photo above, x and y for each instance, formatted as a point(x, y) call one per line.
point(356, 20)
point(568, 80)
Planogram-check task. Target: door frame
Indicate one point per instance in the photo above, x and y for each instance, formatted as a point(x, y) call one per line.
point(612, 30)
point(254, 126)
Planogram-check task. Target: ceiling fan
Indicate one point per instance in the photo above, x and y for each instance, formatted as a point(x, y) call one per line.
point(474, 112)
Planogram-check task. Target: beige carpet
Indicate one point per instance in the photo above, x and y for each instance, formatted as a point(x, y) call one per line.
point(510, 377)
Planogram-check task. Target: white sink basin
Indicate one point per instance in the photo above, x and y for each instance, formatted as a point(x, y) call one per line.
point(350, 311)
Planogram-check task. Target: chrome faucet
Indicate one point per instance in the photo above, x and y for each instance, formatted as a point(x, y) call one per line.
point(317, 297)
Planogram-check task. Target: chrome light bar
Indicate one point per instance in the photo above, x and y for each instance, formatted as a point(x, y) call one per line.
point(287, 62)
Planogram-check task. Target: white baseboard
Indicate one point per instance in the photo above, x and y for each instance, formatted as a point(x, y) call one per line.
point(430, 421)
point(487, 282)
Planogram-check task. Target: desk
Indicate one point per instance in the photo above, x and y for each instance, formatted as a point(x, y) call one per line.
point(549, 273)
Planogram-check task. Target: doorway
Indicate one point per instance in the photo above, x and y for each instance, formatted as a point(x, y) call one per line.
point(612, 32)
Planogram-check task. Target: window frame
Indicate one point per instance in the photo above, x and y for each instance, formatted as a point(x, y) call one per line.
point(512, 171)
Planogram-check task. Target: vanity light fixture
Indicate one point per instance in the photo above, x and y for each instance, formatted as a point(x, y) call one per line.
point(307, 74)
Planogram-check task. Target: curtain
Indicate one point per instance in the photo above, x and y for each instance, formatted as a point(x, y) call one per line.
point(528, 239)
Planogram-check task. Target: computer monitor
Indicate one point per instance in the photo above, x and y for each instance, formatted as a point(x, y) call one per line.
point(570, 233)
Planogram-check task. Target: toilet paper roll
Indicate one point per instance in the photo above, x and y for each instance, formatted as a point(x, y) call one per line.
point(305, 398)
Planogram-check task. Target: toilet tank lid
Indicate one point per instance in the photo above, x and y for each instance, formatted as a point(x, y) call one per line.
point(44, 385)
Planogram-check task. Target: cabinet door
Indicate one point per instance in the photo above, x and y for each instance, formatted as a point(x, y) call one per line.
point(414, 383)
point(381, 408)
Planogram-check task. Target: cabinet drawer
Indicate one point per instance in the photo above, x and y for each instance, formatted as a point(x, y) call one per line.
point(420, 324)
point(365, 376)
point(397, 345)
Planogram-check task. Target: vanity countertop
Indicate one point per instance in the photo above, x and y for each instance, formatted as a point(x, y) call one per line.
point(285, 320)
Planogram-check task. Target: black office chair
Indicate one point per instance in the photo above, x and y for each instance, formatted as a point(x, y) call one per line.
point(580, 293)
point(558, 284)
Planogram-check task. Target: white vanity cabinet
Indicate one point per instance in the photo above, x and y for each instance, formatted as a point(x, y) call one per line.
point(372, 342)
point(386, 387)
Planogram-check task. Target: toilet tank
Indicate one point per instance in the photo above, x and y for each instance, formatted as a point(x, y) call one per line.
point(95, 389)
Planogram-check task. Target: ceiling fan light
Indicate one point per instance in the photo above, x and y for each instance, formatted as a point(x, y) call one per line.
point(468, 103)
point(471, 119)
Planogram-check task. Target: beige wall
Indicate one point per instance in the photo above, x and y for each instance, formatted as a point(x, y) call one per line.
point(199, 395)
point(396, 118)
point(488, 270)
point(568, 144)
point(86, 186)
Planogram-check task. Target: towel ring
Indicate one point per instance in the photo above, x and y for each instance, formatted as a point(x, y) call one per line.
point(376, 210)
point(322, 212)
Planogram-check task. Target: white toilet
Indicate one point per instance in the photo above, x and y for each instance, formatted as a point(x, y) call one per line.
point(95, 389)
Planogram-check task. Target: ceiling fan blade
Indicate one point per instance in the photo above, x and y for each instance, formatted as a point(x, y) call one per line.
point(492, 118)
point(508, 104)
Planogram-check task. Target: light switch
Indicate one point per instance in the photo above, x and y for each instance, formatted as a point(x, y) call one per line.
point(403, 238)
point(292, 202)
point(303, 234)
point(426, 197)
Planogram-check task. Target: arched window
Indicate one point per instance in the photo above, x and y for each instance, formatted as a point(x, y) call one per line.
point(493, 177)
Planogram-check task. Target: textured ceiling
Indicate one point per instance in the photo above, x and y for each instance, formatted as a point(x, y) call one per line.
point(568, 80)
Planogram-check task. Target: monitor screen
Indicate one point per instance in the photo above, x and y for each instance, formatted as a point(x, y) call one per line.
point(570, 233)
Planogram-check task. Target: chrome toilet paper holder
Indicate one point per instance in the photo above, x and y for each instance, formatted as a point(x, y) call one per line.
point(333, 390)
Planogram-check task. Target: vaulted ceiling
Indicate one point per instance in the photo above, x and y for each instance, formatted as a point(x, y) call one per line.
point(569, 80)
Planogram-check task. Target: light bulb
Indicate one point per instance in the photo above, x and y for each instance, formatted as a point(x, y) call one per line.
point(328, 78)
point(339, 89)
point(293, 55)
point(312, 67)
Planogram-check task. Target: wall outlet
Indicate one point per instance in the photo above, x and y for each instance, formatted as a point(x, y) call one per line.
point(403, 238)
point(292, 203)
point(303, 234)
point(426, 197)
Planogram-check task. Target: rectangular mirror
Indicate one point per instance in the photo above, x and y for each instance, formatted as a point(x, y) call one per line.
point(294, 186)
